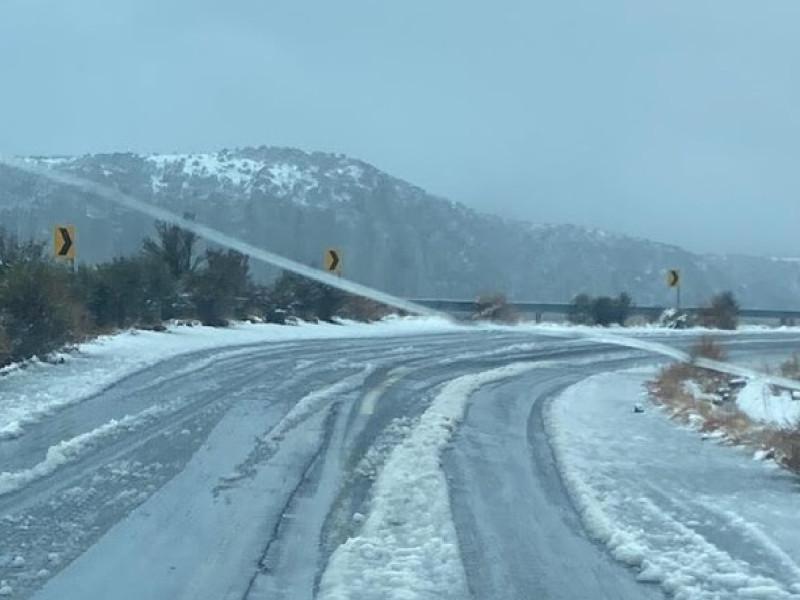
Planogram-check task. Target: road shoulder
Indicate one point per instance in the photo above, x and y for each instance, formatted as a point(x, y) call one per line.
point(700, 519)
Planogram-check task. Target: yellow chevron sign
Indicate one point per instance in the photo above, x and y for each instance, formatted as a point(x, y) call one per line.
point(333, 260)
point(64, 241)
point(673, 278)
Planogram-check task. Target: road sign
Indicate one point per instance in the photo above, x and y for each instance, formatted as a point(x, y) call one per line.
point(674, 281)
point(333, 260)
point(673, 278)
point(64, 241)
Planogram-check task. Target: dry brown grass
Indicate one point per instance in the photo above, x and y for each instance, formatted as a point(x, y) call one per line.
point(786, 446)
point(668, 390)
point(791, 367)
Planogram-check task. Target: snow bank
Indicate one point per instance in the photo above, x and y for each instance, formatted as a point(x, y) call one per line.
point(701, 520)
point(69, 450)
point(407, 547)
point(758, 402)
point(29, 394)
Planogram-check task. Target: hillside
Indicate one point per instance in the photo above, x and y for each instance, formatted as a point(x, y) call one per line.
point(393, 235)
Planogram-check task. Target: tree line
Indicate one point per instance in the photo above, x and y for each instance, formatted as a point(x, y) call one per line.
point(45, 305)
point(722, 312)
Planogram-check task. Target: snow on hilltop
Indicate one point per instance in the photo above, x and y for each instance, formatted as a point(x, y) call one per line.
point(282, 178)
point(274, 172)
point(393, 235)
point(238, 171)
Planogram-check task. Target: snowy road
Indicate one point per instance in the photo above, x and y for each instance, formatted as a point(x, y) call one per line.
point(394, 466)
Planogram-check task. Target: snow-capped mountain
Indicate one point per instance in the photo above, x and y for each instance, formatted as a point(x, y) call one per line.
point(392, 235)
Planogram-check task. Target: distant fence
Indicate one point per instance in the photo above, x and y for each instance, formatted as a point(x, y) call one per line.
point(539, 309)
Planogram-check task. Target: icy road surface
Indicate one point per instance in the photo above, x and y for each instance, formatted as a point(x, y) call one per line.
point(388, 461)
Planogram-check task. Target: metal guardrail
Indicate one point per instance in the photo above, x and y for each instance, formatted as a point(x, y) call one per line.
point(556, 308)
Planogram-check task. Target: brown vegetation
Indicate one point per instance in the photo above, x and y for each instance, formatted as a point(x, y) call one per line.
point(46, 306)
point(790, 368)
point(785, 444)
point(357, 308)
point(721, 313)
point(669, 390)
point(603, 310)
point(495, 307)
point(706, 347)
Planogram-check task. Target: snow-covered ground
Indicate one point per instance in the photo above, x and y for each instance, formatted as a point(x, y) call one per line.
point(758, 401)
point(407, 546)
point(700, 519)
point(98, 465)
point(28, 394)
point(263, 464)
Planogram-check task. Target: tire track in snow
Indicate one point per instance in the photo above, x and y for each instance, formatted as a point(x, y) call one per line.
point(407, 547)
point(308, 406)
point(754, 540)
point(650, 532)
point(263, 565)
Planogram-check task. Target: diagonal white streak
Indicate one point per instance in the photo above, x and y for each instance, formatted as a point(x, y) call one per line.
point(209, 233)
point(214, 235)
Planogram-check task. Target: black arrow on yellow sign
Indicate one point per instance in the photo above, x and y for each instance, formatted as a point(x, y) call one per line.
point(674, 281)
point(673, 277)
point(64, 241)
point(332, 260)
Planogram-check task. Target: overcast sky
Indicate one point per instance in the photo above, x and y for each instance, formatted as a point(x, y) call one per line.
point(675, 120)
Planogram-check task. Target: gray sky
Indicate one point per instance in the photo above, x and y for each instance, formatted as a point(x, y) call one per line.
point(678, 121)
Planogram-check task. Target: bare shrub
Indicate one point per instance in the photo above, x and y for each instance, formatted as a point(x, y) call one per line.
point(580, 311)
point(722, 312)
point(706, 347)
point(495, 307)
point(786, 445)
point(791, 367)
point(669, 390)
point(603, 310)
point(358, 308)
